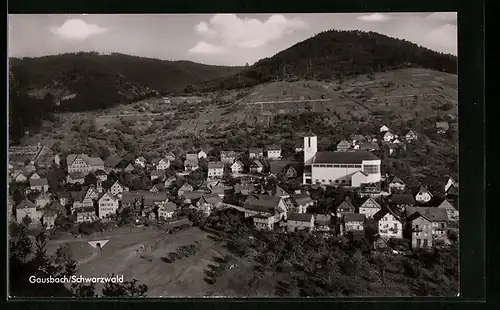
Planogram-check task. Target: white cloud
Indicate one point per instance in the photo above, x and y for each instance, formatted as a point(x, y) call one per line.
point(205, 48)
point(76, 29)
point(234, 31)
point(375, 17)
point(450, 17)
point(444, 37)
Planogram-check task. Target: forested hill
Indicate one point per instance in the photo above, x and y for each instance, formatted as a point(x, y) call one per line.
point(338, 54)
point(85, 81)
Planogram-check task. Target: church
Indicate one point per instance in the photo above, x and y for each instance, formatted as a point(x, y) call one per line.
point(338, 168)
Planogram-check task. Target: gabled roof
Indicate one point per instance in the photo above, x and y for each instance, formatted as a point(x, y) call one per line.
point(276, 167)
point(369, 146)
point(169, 207)
point(191, 195)
point(76, 175)
point(411, 133)
point(111, 196)
point(273, 147)
point(346, 203)
point(322, 219)
point(159, 173)
point(354, 217)
point(255, 150)
point(262, 203)
point(237, 163)
point(395, 179)
point(257, 163)
point(388, 210)
point(310, 134)
point(96, 161)
point(369, 200)
point(39, 182)
point(141, 158)
point(215, 165)
point(159, 186)
point(191, 156)
point(241, 187)
point(344, 143)
point(85, 210)
point(299, 217)
point(211, 199)
point(186, 187)
point(356, 157)
point(388, 133)
point(432, 214)
point(130, 167)
point(358, 137)
point(25, 204)
point(421, 190)
point(447, 205)
point(301, 199)
point(112, 161)
point(443, 125)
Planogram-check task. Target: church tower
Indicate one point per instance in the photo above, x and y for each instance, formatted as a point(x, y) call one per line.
point(310, 148)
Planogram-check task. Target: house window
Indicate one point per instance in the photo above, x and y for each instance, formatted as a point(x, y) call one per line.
point(371, 169)
point(417, 234)
point(336, 166)
point(323, 180)
point(308, 142)
point(416, 226)
point(425, 243)
point(395, 225)
point(426, 226)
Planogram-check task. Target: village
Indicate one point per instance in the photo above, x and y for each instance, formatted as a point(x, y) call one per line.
point(275, 193)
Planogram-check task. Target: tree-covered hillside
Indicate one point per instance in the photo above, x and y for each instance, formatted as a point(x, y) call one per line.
point(338, 54)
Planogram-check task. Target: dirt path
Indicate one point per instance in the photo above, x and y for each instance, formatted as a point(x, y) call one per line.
point(94, 255)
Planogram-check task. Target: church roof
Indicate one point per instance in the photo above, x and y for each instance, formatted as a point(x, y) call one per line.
point(343, 157)
point(310, 134)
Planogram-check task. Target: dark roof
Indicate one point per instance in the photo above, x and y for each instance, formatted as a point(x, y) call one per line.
point(255, 150)
point(310, 134)
point(277, 166)
point(322, 219)
point(394, 211)
point(159, 186)
point(191, 195)
point(432, 214)
point(445, 204)
point(241, 187)
point(211, 199)
point(301, 199)
point(300, 217)
point(169, 206)
point(343, 157)
point(405, 199)
point(346, 203)
point(354, 217)
point(215, 165)
point(262, 203)
point(344, 143)
point(85, 209)
point(395, 179)
point(112, 161)
point(257, 163)
point(100, 172)
point(159, 173)
point(25, 204)
point(263, 216)
point(273, 147)
point(39, 182)
point(443, 125)
point(76, 175)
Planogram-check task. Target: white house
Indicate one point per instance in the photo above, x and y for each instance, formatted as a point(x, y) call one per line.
point(163, 164)
point(369, 207)
point(41, 185)
point(101, 175)
point(423, 195)
point(167, 210)
point(35, 176)
point(83, 163)
point(388, 137)
point(228, 157)
point(237, 167)
point(27, 208)
point(255, 153)
point(274, 152)
point(390, 223)
point(141, 162)
point(19, 177)
point(338, 167)
point(395, 185)
point(411, 136)
point(451, 211)
point(202, 154)
point(117, 189)
point(108, 204)
point(42, 199)
point(384, 128)
point(215, 170)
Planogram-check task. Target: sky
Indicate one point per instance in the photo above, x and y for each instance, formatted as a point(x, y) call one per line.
point(216, 39)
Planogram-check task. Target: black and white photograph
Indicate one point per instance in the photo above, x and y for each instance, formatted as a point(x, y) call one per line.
point(233, 155)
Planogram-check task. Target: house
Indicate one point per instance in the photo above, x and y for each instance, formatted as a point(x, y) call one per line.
point(208, 202)
point(401, 200)
point(244, 189)
point(370, 190)
point(184, 188)
point(345, 207)
point(442, 184)
point(442, 127)
point(396, 141)
point(190, 197)
point(273, 151)
point(343, 146)
point(451, 211)
point(167, 210)
point(337, 167)
point(228, 157)
point(64, 198)
point(35, 176)
point(83, 163)
point(203, 188)
point(392, 148)
point(192, 156)
point(131, 199)
point(369, 207)
point(390, 222)
point(161, 164)
point(299, 221)
point(215, 170)
point(140, 162)
point(255, 153)
point(302, 202)
point(19, 177)
point(220, 189)
point(48, 219)
point(356, 139)
point(384, 128)
point(56, 207)
point(191, 164)
point(169, 156)
point(256, 166)
point(75, 178)
point(395, 185)
point(155, 199)
point(129, 168)
point(111, 163)
point(157, 174)
point(42, 199)
point(388, 137)
point(108, 204)
point(263, 221)
point(41, 185)
point(411, 136)
point(352, 222)
point(101, 175)
point(202, 154)
point(237, 167)
point(117, 188)
point(169, 181)
point(428, 226)
point(265, 204)
point(323, 222)
point(29, 209)
point(359, 178)
point(85, 214)
point(157, 188)
point(422, 194)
